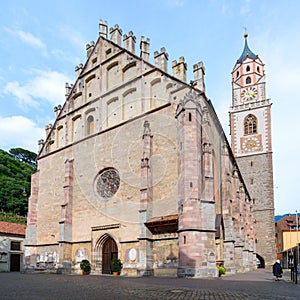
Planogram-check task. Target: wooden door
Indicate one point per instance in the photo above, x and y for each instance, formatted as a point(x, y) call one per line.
point(110, 251)
point(15, 262)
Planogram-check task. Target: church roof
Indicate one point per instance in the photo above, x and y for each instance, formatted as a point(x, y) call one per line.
point(247, 53)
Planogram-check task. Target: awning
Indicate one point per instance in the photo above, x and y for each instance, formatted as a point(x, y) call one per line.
point(163, 224)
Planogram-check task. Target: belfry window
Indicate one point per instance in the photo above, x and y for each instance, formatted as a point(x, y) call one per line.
point(248, 80)
point(250, 125)
point(248, 68)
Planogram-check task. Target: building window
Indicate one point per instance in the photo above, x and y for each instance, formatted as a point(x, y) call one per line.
point(250, 125)
point(248, 80)
point(15, 246)
point(248, 68)
point(258, 70)
point(237, 74)
point(90, 125)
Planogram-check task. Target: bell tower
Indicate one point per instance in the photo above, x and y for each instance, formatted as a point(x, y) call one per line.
point(251, 143)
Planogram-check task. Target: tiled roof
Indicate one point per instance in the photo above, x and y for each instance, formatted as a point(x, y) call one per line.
point(12, 228)
point(163, 219)
point(287, 221)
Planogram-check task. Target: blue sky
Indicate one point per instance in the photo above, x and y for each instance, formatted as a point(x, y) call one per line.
point(41, 42)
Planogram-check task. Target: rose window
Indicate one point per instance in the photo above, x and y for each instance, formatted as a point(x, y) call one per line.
point(107, 183)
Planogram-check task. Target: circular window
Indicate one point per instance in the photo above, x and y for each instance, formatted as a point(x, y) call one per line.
point(107, 183)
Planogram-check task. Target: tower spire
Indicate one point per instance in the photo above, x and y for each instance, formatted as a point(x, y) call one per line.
point(247, 53)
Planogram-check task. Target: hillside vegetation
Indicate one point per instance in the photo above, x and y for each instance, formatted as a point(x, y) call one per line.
point(16, 168)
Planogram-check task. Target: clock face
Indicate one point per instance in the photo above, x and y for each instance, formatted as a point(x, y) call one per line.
point(251, 144)
point(249, 94)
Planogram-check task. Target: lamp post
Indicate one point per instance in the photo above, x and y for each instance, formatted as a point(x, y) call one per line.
point(297, 240)
point(290, 253)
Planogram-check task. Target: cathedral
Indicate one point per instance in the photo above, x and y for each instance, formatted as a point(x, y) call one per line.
point(136, 166)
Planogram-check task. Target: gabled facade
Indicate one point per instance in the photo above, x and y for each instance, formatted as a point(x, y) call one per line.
point(250, 129)
point(136, 165)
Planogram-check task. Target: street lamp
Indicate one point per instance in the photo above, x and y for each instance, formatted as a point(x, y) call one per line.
point(24, 193)
point(297, 240)
point(290, 255)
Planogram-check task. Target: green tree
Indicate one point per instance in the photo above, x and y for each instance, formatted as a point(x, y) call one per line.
point(23, 155)
point(15, 178)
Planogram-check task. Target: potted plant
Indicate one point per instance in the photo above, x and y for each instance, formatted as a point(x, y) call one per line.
point(85, 266)
point(116, 266)
point(222, 270)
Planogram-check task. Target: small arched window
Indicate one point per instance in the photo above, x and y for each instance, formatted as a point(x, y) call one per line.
point(250, 125)
point(237, 74)
point(258, 70)
point(248, 68)
point(248, 80)
point(90, 125)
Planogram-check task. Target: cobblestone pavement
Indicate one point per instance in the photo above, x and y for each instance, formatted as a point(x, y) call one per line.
point(258, 284)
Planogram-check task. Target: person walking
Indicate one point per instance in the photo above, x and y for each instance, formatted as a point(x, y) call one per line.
point(277, 270)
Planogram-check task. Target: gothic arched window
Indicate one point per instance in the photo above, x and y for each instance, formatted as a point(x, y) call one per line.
point(90, 125)
point(250, 125)
point(248, 80)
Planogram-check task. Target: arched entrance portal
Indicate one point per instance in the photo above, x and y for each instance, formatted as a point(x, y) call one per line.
point(109, 251)
point(261, 261)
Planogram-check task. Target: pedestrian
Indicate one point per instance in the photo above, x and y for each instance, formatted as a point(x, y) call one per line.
point(277, 270)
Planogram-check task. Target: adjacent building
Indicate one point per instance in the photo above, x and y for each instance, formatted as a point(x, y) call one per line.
point(287, 240)
point(12, 238)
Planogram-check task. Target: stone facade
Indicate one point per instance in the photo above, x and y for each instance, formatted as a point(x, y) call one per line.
point(137, 166)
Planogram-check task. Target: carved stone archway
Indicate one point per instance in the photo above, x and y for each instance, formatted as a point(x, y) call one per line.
point(105, 249)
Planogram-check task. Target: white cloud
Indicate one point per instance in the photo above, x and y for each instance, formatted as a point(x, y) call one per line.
point(47, 85)
point(18, 131)
point(22, 93)
point(245, 9)
point(73, 36)
point(28, 38)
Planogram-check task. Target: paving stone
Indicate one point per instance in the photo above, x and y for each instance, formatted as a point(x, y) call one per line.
point(258, 284)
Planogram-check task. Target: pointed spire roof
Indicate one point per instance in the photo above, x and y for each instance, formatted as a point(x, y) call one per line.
point(247, 53)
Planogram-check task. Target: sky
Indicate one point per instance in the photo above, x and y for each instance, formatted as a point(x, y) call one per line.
point(41, 42)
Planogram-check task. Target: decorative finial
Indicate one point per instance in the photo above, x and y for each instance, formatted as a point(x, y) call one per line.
point(147, 130)
point(245, 34)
